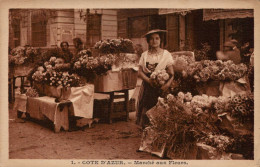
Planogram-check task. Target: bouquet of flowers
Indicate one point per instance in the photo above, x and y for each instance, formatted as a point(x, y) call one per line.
point(114, 46)
point(242, 106)
point(38, 75)
point(174, 119)
point(126, 60)
point(159, 78)
point(219, 141)
point(86, 63)
point(216, 70)
point(62, 79)
point(181, 62)
point(20, 54)
point(31, 92)
point(49, 74)
point(105, 63)
point(204, 103)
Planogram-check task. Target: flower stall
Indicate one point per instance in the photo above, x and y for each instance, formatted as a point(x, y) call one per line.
point(113, 70)
point(183, 126)
point(21, 59)
point(57, 94)
point(210, 119)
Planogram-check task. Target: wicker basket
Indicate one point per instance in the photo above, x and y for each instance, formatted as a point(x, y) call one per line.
point(116, 81)
point(52, 91)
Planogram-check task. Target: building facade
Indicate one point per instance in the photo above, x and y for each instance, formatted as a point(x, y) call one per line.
point(49, 27)
point(187, 28)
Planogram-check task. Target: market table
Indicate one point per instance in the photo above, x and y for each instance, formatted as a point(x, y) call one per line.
point(117, 84)
point(41, 108)
point(79, 104)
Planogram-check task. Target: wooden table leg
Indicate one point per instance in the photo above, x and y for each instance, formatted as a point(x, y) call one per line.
point(62, 117)
point(126, 104)
point(22, 85)
point(111, 107)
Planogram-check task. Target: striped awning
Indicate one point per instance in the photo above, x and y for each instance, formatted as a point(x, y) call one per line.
point(174, 11)
point(216, 14)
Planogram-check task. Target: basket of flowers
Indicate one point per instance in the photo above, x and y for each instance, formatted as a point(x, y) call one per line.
point(116, 67)
point(22, 58)
point(53, 81)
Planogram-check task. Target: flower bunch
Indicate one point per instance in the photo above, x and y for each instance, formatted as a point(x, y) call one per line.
point(216, 70)
point(38, 75)
point(172, 118)
point(105, 63)
point(55, 64)
point(63, 79)
point(203, 53)
point(219, 141)
point(242, 106)
point(159, 78)
point(221, 104)
point(125, 60)
point(31, 51)
point(115, 46)
point(32, 93)
point(22, 54)
point(49, 65)
point(18, 51)
point(85, 62)
point(19, 55)
point(181, 62)
point(204, 103)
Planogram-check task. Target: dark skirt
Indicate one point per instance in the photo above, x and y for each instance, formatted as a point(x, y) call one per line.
point(148, 97)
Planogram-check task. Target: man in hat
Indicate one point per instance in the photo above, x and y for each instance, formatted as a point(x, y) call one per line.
point(230, 52)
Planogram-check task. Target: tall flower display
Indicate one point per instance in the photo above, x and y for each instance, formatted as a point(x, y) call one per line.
point(21, 55)
point(216, 70)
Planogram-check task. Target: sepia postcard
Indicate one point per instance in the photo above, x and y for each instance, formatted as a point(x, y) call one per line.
point(129, 83)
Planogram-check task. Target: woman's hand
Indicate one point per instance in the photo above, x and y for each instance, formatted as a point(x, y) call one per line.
point(150, 82)
point(166, 86)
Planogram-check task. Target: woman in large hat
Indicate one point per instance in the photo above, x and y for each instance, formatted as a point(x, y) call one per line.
point(154, 59)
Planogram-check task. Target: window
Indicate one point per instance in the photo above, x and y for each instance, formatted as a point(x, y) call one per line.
point(16, 28)
point(93, 29)
point(39, 25)
point(138, 26)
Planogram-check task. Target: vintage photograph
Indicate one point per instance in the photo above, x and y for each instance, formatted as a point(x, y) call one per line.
point(131, 83)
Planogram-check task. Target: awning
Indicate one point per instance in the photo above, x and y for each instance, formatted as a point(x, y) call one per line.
point(174, 11)
point(216, 14)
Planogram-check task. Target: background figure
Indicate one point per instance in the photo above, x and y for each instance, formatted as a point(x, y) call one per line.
point(78, 44)
point(230, 52)
point(65, 52)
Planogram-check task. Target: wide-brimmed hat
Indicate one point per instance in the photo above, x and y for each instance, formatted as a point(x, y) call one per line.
point(154, 31)
point(229, 44)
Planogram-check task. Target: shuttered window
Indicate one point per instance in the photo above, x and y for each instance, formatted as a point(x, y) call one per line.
point(17, 36)
point(39, 26)
point(138, 26)
point(93, 29)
